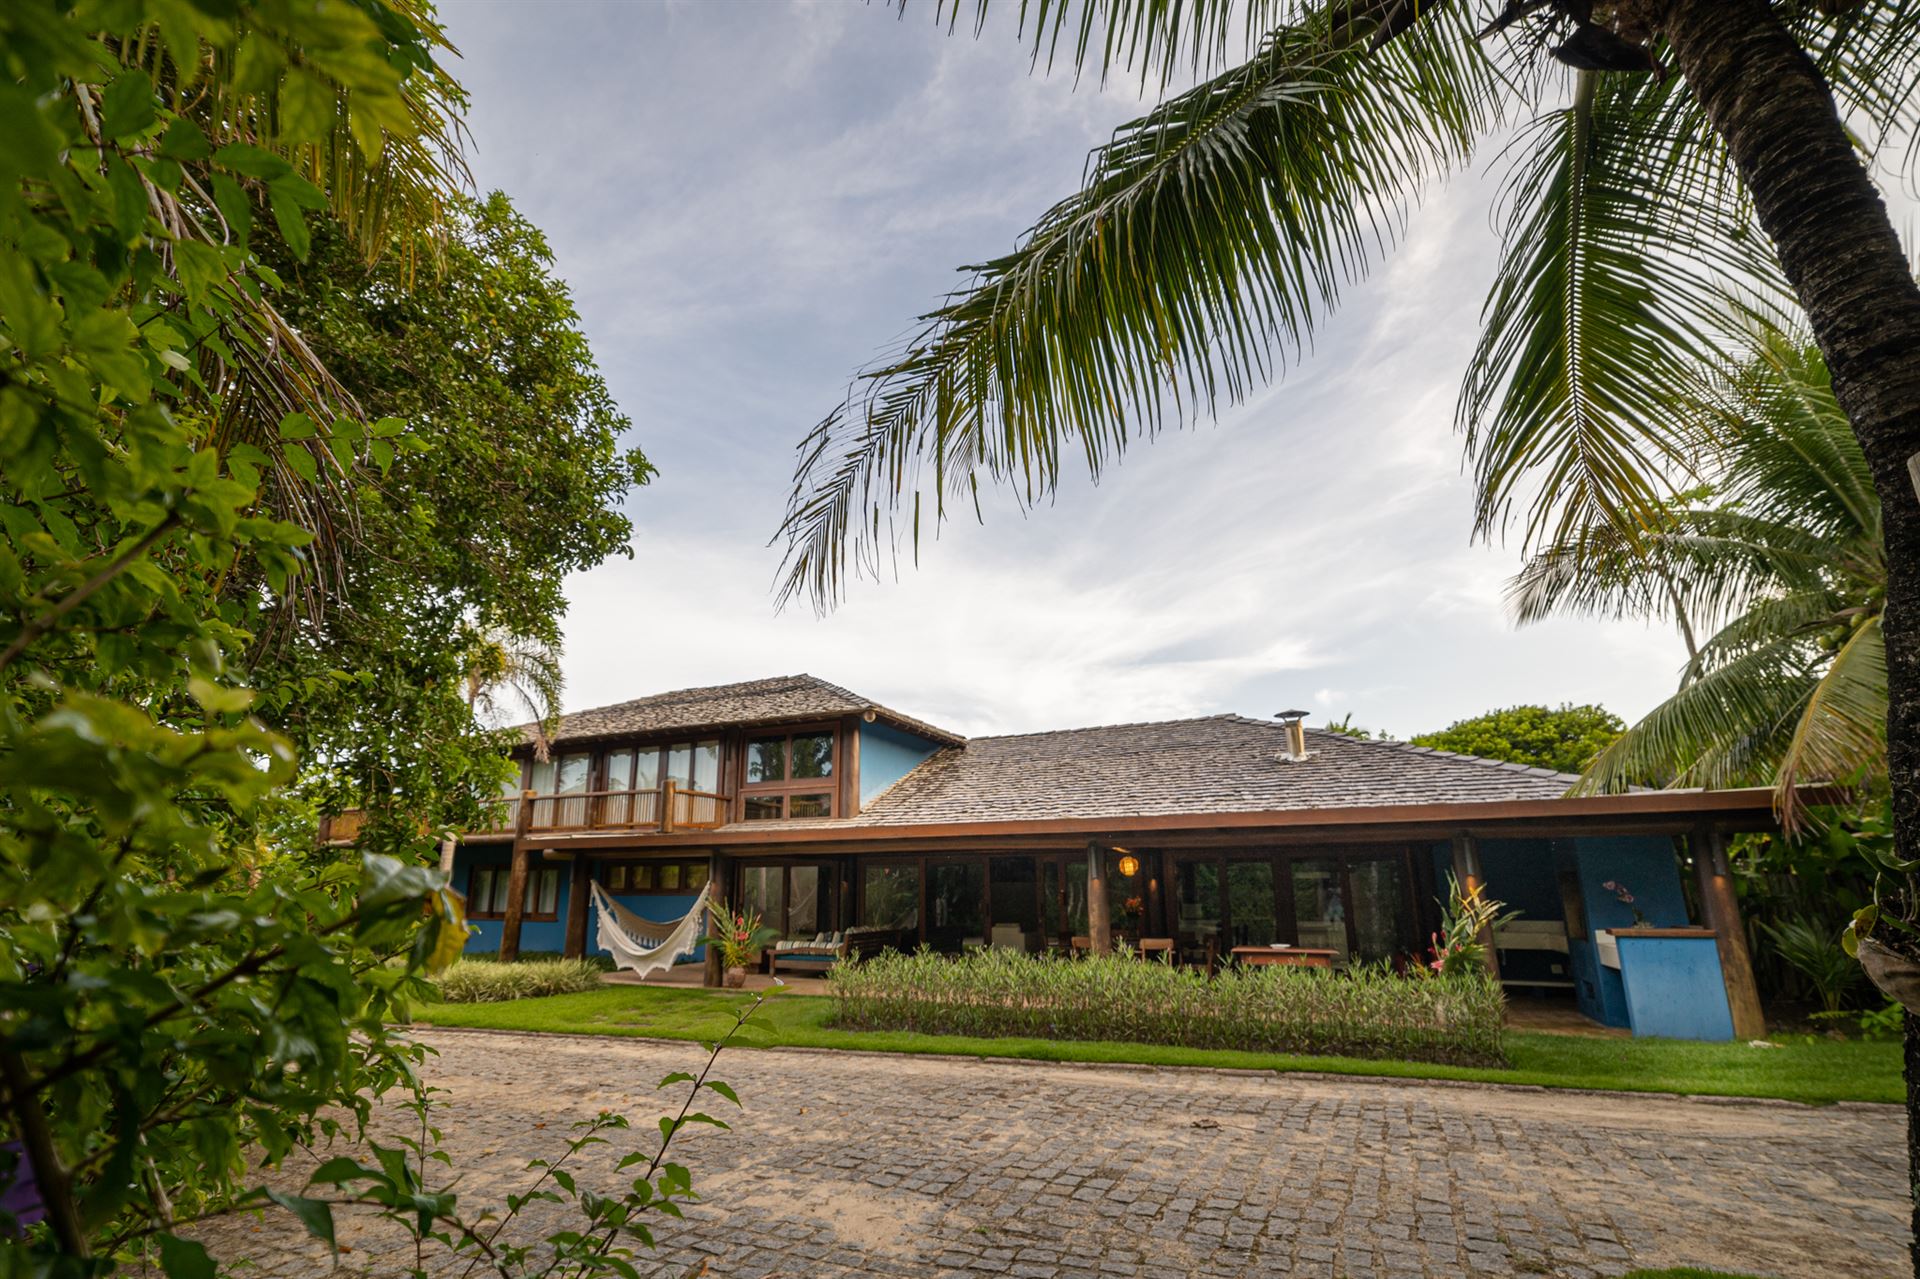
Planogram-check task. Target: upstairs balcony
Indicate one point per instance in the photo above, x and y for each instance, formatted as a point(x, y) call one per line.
point(662, 810)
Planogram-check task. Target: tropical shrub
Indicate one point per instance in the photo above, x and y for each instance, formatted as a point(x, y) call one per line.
point(1815, 950)
point(488, 981)
point(739, 935)
point(1369, 1011)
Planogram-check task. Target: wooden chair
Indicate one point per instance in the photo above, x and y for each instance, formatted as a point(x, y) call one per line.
point(1082, 945)
point(1151, 946)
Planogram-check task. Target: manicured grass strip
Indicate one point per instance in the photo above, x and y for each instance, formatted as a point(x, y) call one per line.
point(1816, 1071)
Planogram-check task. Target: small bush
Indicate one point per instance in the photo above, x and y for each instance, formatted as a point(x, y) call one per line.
point(487, 981)
point(1367, 1011)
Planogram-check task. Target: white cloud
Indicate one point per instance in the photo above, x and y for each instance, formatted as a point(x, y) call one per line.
point(750, 201)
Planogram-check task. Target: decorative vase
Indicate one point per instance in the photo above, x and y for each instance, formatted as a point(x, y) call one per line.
point(736, 977)
point(1897, 976)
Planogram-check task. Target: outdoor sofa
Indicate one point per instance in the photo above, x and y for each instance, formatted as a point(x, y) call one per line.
point(827, 949)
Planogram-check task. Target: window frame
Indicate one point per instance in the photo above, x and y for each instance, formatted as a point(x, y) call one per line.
point(784, 790)
point(694, 868)
point(496, 872)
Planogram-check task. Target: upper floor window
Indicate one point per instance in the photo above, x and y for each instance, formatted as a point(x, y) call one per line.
point(688, 765)
point(789, 775)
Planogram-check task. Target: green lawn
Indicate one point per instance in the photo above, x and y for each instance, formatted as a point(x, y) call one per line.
point(1811, 1071)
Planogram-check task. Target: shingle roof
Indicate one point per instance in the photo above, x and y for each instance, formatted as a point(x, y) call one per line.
point(1221, 764)
point(783, 699)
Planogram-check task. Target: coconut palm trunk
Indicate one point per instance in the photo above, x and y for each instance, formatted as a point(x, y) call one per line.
point(1840, 253)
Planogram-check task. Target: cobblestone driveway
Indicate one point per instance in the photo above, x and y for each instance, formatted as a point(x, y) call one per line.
point(848, 1165)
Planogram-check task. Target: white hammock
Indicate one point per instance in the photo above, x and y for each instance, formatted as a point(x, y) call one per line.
point(642, 946)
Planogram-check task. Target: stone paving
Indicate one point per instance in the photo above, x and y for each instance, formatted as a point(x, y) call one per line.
point(864, 1165)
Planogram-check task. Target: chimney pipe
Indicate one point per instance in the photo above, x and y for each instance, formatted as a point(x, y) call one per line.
point(1295, 724)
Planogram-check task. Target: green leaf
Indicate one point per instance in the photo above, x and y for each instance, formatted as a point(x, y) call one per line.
point(126, 105)
point(185, 1259)
point(306, 107)
point(315, 1214)
point(301, 463)
point(291, 219)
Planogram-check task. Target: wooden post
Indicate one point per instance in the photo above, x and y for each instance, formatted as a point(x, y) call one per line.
point(714, 974)
point(1466, 869)
point(579, 890)
point(517, 881)
point(516, 903)
point(667, 789)
point(1099, 917)
point(1154, 921)
point(1722, 909)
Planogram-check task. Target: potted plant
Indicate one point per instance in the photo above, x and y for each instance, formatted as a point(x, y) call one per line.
point(740, 937)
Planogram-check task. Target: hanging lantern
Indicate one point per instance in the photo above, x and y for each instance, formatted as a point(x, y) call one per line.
point(1129, 866)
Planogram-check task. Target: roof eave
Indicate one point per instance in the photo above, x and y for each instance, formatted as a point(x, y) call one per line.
point(1747, 806)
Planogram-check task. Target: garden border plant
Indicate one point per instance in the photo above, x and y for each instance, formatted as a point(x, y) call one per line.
point(1366, 1011)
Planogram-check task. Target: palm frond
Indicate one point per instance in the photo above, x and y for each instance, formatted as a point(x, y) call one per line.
point(1618, 247)
point(1210, 237)
point(1726, 728)
point(1161, 39)
point(1842, 733)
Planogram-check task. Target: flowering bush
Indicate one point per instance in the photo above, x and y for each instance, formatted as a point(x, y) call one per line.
point(739, 935)
point(1467, 918)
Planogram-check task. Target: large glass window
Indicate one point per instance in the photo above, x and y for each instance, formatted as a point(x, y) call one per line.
point(1250, 903)
point(1015, 894)
point(763, 891)
point(1382, 908)
point(803, 901)
point(890, 896)
point(564, 776)
point(1319, 907)
point(1197, 903)
point(784, 775)
point(956, 905)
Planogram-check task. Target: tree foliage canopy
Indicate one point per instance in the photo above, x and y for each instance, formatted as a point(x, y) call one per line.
point(1564, 739)
point(265, 381)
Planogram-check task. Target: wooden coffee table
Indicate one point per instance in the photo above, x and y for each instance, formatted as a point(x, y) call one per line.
point(1291, 956)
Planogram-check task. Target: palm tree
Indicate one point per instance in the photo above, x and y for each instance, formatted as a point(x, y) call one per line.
point(509, 674)
point(1213, 233)
point(1782, 555)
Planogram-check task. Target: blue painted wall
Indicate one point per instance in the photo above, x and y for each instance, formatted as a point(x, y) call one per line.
point(551, 935)
point(535, 935)
point(1646, 867)
point(1674, 988)
point(886, 755)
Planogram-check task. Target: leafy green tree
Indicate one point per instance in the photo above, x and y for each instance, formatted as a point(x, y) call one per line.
point(1564, 739)
point(193, 508)
point(459, 554)
point(1779, 558)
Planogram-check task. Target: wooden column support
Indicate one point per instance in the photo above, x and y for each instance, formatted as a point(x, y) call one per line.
point(517, 881)
point(714, 973)
point(1099, 916)
point(1467, 869)
point(1714, 878)
point(579, 891)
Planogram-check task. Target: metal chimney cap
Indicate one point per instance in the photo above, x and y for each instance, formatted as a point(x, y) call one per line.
point(1289, 716)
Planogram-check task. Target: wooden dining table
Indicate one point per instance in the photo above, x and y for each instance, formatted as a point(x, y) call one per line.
point(1290, 956)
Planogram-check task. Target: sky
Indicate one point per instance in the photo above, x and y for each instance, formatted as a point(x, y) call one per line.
point(752, 200)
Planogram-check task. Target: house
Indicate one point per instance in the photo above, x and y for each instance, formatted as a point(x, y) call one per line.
point(824, 810)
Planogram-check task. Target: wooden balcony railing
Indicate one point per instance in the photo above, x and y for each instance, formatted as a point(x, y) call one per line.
point(660, 811)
